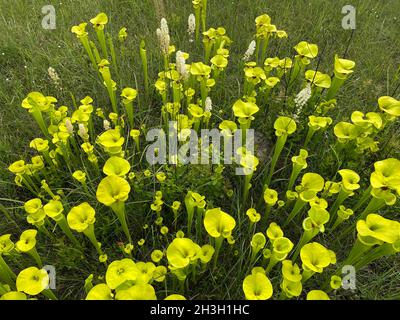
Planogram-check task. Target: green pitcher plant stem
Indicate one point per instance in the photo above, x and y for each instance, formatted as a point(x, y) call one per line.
point(246, 186)
point(203, 15)
point(34, 254)
point(5, 278)
point(298, 205)
point(310, 134)
point(89, 233)
point(119, 210)
point(335, 86)
point(143, 56)
point(280, 143)
point(293, 176)
point(264, 48)
point(49, 294)
point(306, 237)
point(364, 198)
point(62, 223)
point(87, 46)
point(218, 245)
point(197, 13)
point(342, 196)
point(103, 44)
point(6, 269)
point(113, 54)
point(95, 53)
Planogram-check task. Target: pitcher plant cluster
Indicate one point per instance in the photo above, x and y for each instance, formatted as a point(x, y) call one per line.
point(173, 230)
